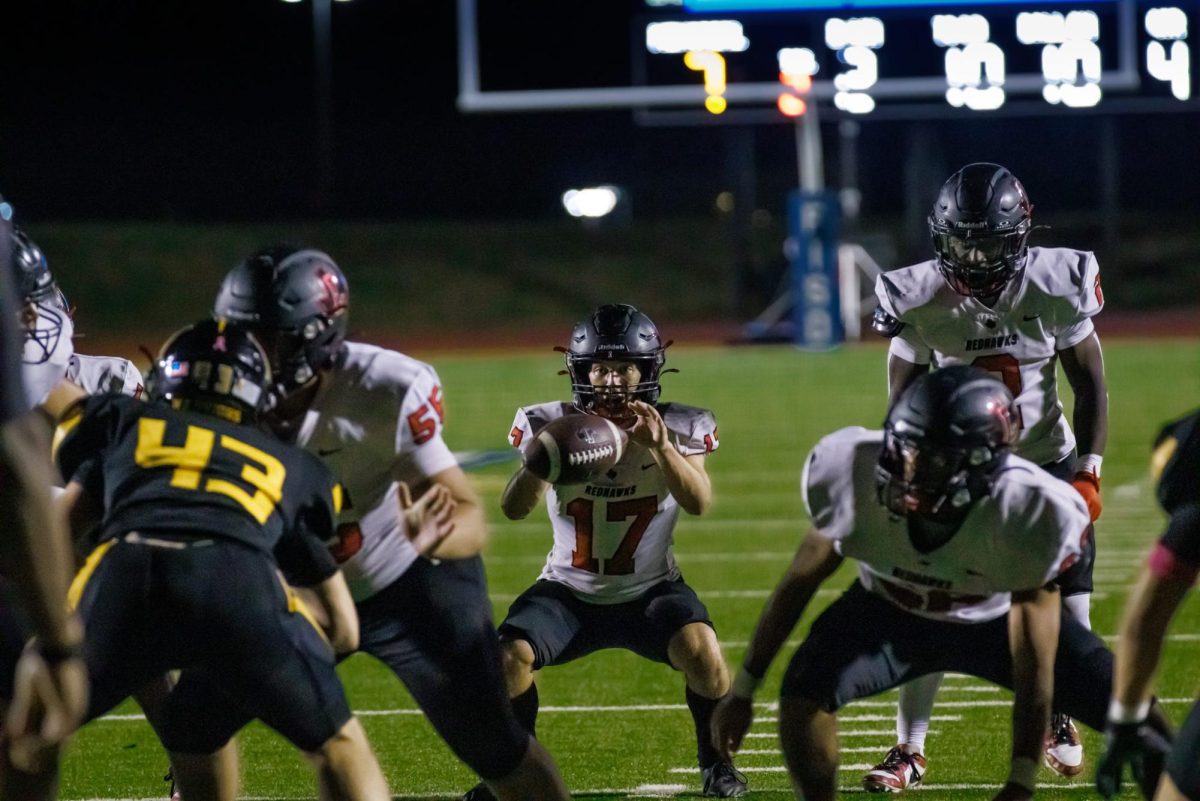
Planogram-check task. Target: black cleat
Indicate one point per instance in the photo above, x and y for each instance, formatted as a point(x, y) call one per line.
point(723, 780)
point(480, 792)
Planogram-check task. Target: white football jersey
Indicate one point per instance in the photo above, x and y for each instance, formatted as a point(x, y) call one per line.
point(1047, 308)
point(99, 374)
point(376, 421)
point(1029, 529)
point(613, 535)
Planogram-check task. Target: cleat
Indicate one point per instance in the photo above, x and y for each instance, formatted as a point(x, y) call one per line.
point(480, 792)
point(1064, 750)
point(723, 780)
point(899, 771)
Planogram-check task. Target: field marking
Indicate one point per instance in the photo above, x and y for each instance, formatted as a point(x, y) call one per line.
point(771, 706)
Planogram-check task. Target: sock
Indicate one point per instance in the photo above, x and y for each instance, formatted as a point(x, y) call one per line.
point(702, 711)
point(525, 706)
point(1079, 607)
point(914, 710)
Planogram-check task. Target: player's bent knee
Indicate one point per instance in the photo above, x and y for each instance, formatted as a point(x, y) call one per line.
point(517, 659)
point(694, 650)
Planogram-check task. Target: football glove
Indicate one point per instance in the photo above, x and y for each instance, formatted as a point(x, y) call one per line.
point(1136, 745)
point(1087, 484)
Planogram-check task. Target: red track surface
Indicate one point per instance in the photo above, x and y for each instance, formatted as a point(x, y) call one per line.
point(1170, 323)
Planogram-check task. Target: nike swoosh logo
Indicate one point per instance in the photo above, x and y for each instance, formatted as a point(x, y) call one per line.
point(322, 452)
point(1029, 317)
point(648, 466)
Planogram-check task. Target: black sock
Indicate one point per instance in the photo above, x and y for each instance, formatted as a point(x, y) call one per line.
point(702, 711)
point(525, 706)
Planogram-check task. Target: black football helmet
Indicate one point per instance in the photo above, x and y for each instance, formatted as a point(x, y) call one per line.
point(943, 440)
point(216, 368)
point(980, 227)
point(297, 302)
point(615, 332)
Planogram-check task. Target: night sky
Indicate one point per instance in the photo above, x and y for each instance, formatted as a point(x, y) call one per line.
point(180, 109)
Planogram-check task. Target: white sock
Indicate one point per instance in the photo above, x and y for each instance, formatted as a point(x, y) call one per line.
point(914, 710)
point(1080, 608)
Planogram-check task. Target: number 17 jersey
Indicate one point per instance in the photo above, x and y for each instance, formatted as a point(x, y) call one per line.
point(613, 535)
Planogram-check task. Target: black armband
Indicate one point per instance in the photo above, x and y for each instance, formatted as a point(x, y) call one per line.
point(885, 324)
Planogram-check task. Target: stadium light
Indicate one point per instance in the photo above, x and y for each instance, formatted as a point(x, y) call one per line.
point(592, 202)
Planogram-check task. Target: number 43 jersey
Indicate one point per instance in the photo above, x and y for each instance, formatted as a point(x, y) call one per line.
point(613, 535)
point(1030, 528)
point(167, 471)
point(1047, 308)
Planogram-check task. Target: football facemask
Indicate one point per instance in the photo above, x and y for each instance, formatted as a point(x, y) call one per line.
point(936, 482)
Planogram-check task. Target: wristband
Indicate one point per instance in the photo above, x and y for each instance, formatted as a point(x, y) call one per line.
point(1022, 773)
point(1089, 463)
point(57, 654)
point(744, 684)
point(1123, 713)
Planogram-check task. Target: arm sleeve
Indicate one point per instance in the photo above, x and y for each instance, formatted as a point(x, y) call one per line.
point(1177, 554)
point(302, 552)
point(1176, 462)
point(906, 343)
point(1085, 301)
point(816, 480)
point(701, 437)
point(83, 434)
point(419, 430)
point(521, 432)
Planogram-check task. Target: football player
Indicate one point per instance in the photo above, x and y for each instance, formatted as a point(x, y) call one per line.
point(375, 416)
point(44, 694)
point(989, 300)
point(194, 502)
point(958, 545)
point(1169, 573)
point(611, 580)
point(48, 357)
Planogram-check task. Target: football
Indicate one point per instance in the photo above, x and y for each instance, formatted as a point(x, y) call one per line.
point(574, 448)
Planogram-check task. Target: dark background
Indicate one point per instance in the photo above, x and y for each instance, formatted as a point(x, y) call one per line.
point(176, 109)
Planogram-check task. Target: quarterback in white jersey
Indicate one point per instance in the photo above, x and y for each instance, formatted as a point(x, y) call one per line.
point(960, 546)
point(627, 515)
point(375, 416)
point(611, 580)
point(990, 301)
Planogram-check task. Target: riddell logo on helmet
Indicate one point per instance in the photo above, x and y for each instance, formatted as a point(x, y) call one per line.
point(971, 225)
point(612, 347)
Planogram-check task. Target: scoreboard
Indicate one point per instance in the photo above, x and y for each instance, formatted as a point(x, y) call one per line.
point(862, 58)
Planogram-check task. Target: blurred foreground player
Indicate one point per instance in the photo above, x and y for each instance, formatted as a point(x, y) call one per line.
point(195, 502)
point(959, 544)
point(375, 416)
point(44, 695)
point(1169, 573)
point(611, 580)
point(989, 300)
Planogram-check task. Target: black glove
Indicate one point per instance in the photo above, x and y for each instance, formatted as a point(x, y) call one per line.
point(1141, 747)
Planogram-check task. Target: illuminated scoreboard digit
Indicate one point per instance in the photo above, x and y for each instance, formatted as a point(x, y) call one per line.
point(978, 56)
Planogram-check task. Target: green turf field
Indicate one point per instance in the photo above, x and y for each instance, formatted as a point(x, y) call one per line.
point(617, 724)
